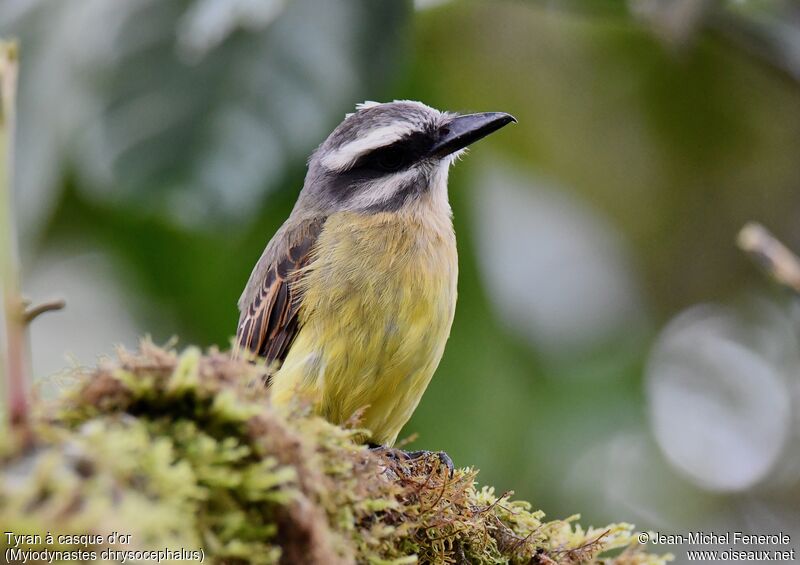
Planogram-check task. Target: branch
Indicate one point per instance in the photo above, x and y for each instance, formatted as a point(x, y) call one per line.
point(33, 312)
point(772, 255)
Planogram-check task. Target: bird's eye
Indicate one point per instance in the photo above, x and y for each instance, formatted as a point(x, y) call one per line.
point(391, 159)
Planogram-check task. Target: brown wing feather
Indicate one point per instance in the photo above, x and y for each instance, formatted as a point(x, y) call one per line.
point(269, 320)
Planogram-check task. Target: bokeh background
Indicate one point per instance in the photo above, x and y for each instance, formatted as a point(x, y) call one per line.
point(613, 353)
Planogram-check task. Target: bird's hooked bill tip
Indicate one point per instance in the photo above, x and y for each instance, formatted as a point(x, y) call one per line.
point(466, 129)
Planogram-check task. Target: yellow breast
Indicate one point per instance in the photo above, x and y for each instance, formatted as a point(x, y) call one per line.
point(378, 303)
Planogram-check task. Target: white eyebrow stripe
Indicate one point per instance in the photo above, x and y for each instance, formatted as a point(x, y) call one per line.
point(348, 153)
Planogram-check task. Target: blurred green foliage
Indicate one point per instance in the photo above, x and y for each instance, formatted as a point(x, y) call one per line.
point(674, 132)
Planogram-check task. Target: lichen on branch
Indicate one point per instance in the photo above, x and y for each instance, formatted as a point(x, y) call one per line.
point(182, 450)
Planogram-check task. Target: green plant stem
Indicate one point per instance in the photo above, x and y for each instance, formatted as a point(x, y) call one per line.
point(16, 363)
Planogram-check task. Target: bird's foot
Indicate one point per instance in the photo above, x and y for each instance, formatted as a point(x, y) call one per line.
point(400, 455)
point(444, 458)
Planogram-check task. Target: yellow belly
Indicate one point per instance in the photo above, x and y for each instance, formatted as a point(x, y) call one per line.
point(379, 299)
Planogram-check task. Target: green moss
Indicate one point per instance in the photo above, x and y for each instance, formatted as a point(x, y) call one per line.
point(184, 451)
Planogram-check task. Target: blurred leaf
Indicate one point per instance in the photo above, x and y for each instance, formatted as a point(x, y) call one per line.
point(719, 392)
point(767, 29)
point(555, 268)
point(674, 21)
point(190, 109)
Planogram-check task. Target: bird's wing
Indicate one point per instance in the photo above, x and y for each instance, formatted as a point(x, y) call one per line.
point(270, 303)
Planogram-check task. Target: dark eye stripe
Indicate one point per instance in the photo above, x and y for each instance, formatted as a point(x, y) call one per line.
point(399, 155)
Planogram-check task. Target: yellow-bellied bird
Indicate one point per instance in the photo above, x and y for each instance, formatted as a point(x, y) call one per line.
point(354, 296)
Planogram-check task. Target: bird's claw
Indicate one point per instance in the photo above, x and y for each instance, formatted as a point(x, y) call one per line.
point(443, 457)
point(399, 455)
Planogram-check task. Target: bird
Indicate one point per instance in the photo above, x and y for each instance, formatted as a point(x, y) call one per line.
point(352, 301)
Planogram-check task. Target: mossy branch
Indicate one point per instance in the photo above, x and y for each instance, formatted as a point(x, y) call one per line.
point(183, 451)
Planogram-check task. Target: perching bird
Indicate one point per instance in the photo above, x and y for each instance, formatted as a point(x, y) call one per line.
point(354, 296)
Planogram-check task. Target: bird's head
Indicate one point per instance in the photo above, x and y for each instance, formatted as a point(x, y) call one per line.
point(383, 157)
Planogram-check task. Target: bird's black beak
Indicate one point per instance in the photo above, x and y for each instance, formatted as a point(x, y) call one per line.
point(467, 129)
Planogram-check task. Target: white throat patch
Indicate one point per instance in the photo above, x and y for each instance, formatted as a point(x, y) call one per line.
point(382, 190)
